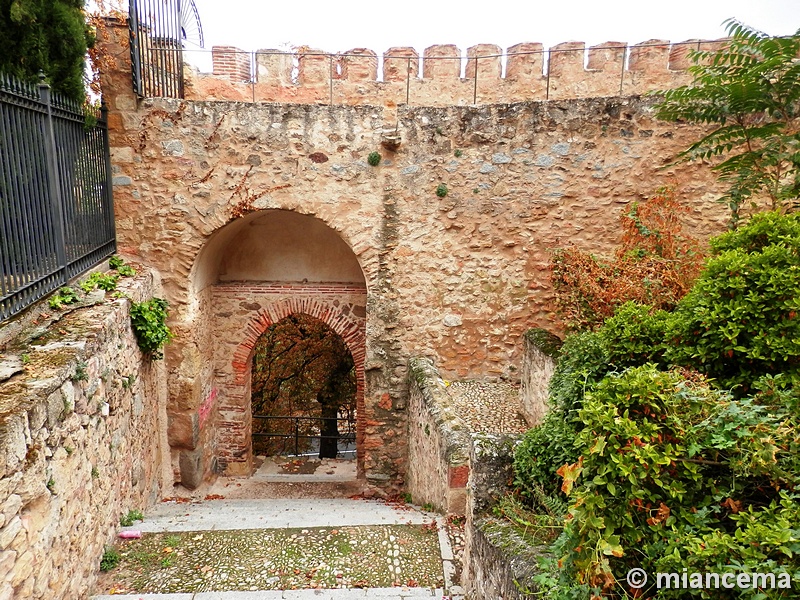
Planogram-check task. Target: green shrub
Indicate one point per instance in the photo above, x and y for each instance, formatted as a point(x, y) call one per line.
point(117, 263)
point(764, 229)
point(635, 335)
point(131, 517)
point(666, 460)
point(374, 159)
point(543, 451)
point(760, 539)
point(582, 362)
point(741, 320)
point(441, 190)
point(110, 559)
point(149, 321)
point(50, 36)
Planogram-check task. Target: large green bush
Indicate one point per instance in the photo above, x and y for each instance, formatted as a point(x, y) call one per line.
point(669, 467)
point(582, 362)
point(742, 318)
point(635, 335)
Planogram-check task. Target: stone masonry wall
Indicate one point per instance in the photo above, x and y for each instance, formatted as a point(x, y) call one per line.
point(539, 351)
point(438, 446)
point(82, 441)
point(498, 562)
point(459, 277)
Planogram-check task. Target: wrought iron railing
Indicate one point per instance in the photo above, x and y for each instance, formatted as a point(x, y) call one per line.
point(301, 435)
point(56, 208)
point(158, 30)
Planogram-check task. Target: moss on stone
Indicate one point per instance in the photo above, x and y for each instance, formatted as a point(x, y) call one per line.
point(547, 342)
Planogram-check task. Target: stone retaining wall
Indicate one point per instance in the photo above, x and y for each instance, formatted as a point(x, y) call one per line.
point(82, 441)
point(539, 353)
point(497, 562)
point(438, 442)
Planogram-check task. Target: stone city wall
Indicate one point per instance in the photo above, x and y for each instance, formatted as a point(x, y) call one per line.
point(82, 441)
point(438, 442)
point(565, 71)
point(457, 276)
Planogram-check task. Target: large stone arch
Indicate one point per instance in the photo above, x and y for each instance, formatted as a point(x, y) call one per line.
point(251, 273)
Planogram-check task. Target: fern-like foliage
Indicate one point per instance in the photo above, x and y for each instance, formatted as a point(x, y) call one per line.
point(748, 91)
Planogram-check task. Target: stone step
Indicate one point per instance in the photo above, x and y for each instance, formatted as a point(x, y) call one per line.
point(393, 593)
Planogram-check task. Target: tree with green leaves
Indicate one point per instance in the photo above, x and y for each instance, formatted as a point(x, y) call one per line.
point(51, 36)
point(748, 91)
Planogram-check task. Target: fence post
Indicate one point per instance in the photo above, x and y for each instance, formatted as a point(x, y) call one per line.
point(475, 83)
point(53, 179)
point(296, 436)
point(109, 183)
point(408, 79)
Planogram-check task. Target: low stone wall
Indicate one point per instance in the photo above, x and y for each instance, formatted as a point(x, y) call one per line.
point(438, 442)
point(498, 563)
point(540, 349)
point(82, 441)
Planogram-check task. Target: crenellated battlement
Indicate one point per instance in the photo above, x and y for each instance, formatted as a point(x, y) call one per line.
point(524, 71)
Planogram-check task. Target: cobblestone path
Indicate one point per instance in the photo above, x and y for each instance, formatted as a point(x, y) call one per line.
point(488, 407)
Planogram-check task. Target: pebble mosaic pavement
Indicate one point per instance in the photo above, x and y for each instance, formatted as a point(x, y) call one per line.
point(285, 559)
point(488, 407)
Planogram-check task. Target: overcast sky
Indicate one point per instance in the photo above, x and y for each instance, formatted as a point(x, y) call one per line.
point(339, 25)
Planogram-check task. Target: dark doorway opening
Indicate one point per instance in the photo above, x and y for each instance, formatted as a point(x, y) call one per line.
point(303, 390)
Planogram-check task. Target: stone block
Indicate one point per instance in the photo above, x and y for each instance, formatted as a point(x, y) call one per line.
point(191, 466)
point(9, 532)
point(23, 568)
point(11, 506)
point(183, 429)
point(13, 446)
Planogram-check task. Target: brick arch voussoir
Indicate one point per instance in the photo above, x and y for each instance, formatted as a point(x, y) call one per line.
point(352, 333)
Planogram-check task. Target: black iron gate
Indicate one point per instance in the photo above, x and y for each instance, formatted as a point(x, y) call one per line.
point(158, 31)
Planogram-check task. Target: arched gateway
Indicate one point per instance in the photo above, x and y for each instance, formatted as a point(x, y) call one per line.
point(251, 274)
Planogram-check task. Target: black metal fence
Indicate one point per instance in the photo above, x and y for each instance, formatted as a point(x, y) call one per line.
point(56, 208)
point(158, 30)
point(281, 435)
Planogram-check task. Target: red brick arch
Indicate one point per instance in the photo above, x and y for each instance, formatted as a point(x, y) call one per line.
point(320, 302)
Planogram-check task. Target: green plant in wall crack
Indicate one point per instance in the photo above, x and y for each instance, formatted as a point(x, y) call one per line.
point(442, 190)
point(66, 295)
point(374, 159)
point(149, 321)
point(121, 267)
point(81, 373)
point(107, 283)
